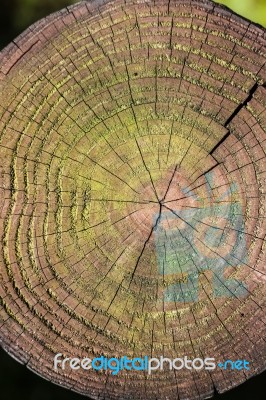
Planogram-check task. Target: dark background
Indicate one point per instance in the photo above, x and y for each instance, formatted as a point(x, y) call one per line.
point(16, 381)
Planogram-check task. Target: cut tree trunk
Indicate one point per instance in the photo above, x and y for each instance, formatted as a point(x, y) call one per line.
point(132, 151)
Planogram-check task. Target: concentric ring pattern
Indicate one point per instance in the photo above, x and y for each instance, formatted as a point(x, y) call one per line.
point(133, 194)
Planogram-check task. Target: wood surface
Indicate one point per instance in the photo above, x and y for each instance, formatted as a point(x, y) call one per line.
point(117, 118)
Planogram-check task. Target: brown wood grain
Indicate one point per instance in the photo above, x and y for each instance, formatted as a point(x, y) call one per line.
point(117, 118)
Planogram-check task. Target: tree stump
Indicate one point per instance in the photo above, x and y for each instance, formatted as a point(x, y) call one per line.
point(133, 195)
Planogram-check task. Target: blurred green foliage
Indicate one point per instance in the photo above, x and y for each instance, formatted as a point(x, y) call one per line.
point(255, 10)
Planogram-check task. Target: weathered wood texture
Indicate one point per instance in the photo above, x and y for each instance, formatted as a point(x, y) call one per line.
point(119, 120)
